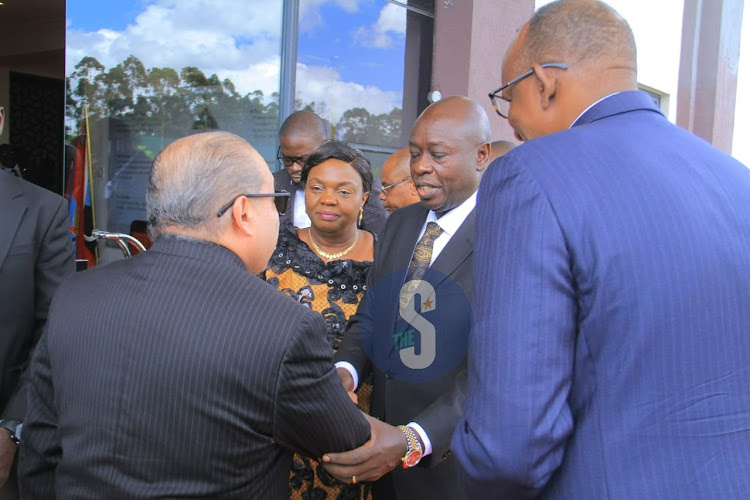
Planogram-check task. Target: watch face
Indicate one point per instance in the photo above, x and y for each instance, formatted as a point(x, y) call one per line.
point(412, 458)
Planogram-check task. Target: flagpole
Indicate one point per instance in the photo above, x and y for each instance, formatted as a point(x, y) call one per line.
point(90, 174)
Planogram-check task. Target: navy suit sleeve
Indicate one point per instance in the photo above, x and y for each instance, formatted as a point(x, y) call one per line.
point(517, 419)
point(312, 412)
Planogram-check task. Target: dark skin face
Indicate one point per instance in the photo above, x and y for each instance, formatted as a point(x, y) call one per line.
point(299, 148)
point(446, 159)
point(334, 196)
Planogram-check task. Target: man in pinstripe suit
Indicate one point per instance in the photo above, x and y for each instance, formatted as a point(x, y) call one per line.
point(178, 373)
point(610, 353)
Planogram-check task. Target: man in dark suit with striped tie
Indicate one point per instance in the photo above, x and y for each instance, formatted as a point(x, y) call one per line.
point(416, 349)
point(610, 352)
point(178, 373)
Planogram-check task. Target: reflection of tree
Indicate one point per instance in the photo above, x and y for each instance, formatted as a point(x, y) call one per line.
point(163, 102)
point(360, 126)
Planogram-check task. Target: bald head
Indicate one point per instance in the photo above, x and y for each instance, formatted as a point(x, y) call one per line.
point(449, 147)
point(397, 192)
point(580, 33)
point(194, 176)
point(304, 124)
point(596, 50)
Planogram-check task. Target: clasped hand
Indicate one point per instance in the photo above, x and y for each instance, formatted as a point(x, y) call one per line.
point(377, 457)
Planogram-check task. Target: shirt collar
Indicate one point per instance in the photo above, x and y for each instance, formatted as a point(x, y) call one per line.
point(452, 220)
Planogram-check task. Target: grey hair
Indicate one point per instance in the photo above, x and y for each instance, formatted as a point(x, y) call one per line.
point(194, 176)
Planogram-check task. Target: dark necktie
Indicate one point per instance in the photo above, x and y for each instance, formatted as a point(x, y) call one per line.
point(420, 261)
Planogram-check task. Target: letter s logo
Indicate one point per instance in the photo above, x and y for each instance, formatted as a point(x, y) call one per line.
point(408, 312)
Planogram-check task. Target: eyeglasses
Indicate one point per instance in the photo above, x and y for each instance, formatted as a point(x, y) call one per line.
point(280, 199)
point(288, 161)
point(389, 186)
point(500, 103)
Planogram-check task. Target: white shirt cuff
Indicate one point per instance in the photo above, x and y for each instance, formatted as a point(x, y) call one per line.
point(422, 434)
point(350, 368)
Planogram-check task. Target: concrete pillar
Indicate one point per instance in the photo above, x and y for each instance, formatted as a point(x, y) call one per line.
point(709, 62)
point(471, 37)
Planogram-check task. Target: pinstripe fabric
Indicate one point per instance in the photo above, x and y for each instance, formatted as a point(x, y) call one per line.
point(178, 374)
point(435, 405)
point(611, 349)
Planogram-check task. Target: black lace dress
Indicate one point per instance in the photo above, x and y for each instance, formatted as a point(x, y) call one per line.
point(334, 289)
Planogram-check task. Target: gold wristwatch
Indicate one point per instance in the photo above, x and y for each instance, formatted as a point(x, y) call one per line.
point(413, 448)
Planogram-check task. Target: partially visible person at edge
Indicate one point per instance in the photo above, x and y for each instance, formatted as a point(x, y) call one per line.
point(398, 187)
point(36, 255)
point(449, 149)
point(610, 352)
point(179, 373)
point(324, 267)
point(300, 135)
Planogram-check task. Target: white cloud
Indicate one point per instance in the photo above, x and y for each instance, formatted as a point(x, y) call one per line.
point(323, 85)
point(215, 36)
point(236, 39)
point(309, 12)
point(391, 23)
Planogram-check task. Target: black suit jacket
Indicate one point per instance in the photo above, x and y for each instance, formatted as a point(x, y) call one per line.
point(178, 374)
point(435, 405)
point(373, 216)
point(36, 254)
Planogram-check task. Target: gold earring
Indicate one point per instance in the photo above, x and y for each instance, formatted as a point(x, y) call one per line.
point(361, 213)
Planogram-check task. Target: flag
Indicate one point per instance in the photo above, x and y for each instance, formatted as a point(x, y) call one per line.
point(80, 205)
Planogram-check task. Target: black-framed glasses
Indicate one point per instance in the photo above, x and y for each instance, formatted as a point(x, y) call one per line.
point(500, 103)
point(288, 161)
point(389, 186)
point(280, 199)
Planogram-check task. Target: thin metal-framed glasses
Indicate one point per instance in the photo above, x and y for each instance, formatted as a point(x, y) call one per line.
point(389, 186)
point(280, 199)
point(288, 161)
point(500, 103)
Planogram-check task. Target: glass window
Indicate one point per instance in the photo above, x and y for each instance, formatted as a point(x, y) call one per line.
point(142, 74)
point(365, 68)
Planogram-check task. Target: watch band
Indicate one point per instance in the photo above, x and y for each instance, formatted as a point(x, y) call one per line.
point(14, 427)
point(414, 449)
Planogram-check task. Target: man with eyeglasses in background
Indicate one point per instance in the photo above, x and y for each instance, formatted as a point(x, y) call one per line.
point(610, 353)
point(300, 135)
point(398, 187)
point(179, 373)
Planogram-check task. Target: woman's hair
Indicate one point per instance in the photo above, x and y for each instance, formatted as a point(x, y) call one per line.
point(340, 151)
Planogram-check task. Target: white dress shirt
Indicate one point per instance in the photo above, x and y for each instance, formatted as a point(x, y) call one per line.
point(449, 223)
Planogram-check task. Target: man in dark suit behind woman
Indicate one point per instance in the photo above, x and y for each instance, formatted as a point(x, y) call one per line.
point(179, 373)
point(449, 149)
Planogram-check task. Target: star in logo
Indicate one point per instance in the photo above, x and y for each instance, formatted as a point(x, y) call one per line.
point(427, 304)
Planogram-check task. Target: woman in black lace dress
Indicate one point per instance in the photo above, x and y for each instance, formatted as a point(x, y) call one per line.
point(325, 268)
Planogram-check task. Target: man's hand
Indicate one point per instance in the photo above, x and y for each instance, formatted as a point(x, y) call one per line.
point(348, 382)
point(7, 452)
point(377, 457)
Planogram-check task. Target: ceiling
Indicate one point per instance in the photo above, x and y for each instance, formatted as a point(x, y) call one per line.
point(32, 36)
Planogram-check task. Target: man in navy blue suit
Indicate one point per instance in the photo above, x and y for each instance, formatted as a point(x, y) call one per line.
point(610, 352)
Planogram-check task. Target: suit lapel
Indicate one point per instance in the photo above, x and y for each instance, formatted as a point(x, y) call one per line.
point(458, 249)
point(12, 206)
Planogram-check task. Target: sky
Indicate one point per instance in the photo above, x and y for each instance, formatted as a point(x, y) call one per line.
point(350, 51)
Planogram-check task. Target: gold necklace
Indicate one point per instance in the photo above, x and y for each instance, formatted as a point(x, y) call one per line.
point(332, 256)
